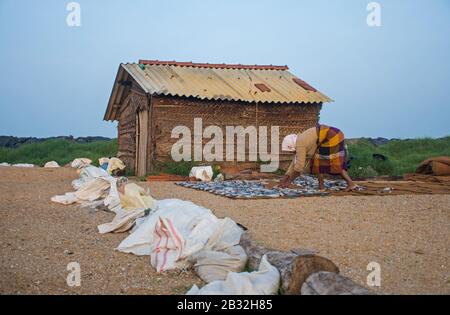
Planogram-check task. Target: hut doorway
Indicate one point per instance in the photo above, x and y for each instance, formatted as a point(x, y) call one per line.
point(141, 142)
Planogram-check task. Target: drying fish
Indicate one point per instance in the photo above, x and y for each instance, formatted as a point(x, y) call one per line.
point(242, 189)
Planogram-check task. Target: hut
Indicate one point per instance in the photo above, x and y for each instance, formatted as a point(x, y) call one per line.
point(151, 97)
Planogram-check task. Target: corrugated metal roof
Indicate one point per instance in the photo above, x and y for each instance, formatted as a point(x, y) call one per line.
point(218, 82)
point(212, 65)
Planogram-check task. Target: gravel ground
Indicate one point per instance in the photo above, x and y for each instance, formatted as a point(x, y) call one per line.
point(409, 236)
point(39, 238)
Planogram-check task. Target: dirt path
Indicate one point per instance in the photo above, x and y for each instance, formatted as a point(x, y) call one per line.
point(409, 236)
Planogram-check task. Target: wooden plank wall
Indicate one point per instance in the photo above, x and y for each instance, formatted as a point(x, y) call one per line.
point(133, 100)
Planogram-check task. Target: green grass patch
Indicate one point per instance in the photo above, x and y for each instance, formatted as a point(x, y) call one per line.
point(403, 156)
point(177, 168)
point(61, 151)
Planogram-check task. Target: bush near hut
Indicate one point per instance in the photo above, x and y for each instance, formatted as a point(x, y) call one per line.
point(59, 150)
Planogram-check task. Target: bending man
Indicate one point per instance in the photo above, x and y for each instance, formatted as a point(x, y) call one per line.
point(322, 150)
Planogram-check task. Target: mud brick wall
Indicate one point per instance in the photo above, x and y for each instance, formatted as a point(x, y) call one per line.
point(169, 112)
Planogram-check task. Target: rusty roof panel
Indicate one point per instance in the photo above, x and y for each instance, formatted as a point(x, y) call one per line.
point(219, 82)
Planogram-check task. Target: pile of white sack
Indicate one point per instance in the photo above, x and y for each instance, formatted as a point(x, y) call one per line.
point(17, 165)
point(176, 234)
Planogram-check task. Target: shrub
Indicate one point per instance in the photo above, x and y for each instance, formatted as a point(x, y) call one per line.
point(61, 151)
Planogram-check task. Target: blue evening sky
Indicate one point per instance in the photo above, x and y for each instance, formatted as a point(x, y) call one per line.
point(389, 81)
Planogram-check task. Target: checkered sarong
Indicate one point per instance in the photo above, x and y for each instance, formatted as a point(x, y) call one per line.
point(330, 157)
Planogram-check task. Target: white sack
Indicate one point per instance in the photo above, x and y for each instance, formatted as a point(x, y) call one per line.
point(219, 256)
point(183, 214)
point(128, 207)
point(66, 199)
point(80, 162)
point(93, 190)
point(122, 222)
point(215, 265)
point(88, 174)
point(23, 165)
point(92, 185)
point(103, 160)
point(265, 281)
point(115, 164)
point(203, 173)
point(176, 232)
point(51, 164)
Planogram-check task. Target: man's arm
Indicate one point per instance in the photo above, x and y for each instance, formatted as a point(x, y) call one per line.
point(291, 174)
point(300, 156)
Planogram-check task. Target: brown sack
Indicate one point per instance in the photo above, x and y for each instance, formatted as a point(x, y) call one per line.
point(439, 166)
point(440, 169)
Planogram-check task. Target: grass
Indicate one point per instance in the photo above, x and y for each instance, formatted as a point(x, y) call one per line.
point(182, 168)
point(177, 168)
point(403, 156)
point(61, 151)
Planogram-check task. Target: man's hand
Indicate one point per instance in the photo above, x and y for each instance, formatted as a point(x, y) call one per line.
point(285, 181)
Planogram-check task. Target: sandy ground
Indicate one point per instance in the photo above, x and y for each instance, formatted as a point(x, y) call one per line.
point(409, 236)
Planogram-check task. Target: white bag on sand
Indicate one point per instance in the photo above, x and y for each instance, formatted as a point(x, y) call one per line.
point(103, 160)
point(23, 165)
point(66, 199)
point(115, 164)
point(179, 230)
point(87, 174)
point(90, 191)
point(183, 214)
point(51, 164)
point(203, 173)
point(93, 190)
point(219, 256)
point(80, 162)
point(265, 281)
point(92, 185)
point(132, 205)
point(215, 265)
point(136, 197)
point(121, 222)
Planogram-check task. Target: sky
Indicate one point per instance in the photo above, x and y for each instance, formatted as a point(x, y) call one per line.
point(389, 81)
